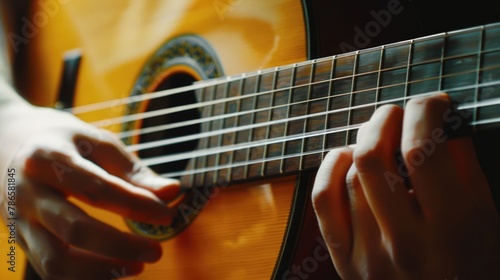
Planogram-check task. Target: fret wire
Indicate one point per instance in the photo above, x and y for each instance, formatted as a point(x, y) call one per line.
point(322, 151)
point(133, 99)
point(405, 99)
point(247, 152)
point(136, 147)
point(236, 122)
point(291, 137)
point(441, 64)
point(287, 122)
point(250, 131)
point(328, 104)
point(141, 116)
point(208, 126)
point(408, 75)
point(210, 169)
point(351, 99)
point(478, 76)
point(194, 161)
point(224, 121)
point(379, 76)
point(258, 86)
point(219, 136)
point(287, 138)
point(130, 133)
point(269, 117)
point(307, 110)
point(188, 155)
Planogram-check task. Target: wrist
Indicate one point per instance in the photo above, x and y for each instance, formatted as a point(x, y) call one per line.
point(10, 100)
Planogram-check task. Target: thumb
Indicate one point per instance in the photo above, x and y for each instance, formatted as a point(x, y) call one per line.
point(106, 150)
point(164, 188)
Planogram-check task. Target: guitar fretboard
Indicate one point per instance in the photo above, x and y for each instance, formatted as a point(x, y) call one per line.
point(284, 120)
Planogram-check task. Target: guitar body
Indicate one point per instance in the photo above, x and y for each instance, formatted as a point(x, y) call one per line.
point(238, 235)
point(253, 230)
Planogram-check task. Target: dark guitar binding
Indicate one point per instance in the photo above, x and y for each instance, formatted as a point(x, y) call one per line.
point(417, 19)
point(298, 259)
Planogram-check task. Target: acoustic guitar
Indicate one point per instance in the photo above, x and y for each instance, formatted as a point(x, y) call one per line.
point(245, 146)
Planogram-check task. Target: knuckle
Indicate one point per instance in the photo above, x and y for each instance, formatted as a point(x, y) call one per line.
point(37, 157)
point(93, 137)
point(44, 154)
point(430, 102)
point(390, 109)
point(367, 158)
point(33, 158)
point(95, 193)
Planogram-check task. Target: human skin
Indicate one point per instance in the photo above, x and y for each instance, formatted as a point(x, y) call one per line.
point(445, 226)
point(53, 156)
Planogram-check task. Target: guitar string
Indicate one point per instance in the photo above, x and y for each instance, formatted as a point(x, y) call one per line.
point(170, 141)
point(223, 80)
point(281, 140)
point(218, 167)
point(241, 164)
point(243, 146)
point(140, 131)
point(135, 132)
point(198, 105)
point(294, 68)
point(226, 80)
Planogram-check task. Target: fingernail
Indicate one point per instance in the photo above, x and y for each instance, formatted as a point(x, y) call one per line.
point(157, 181)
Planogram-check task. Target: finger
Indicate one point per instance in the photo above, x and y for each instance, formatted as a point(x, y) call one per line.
point(52, 259)
point(109, 153)
point(73, 226)
point(427, 158)
point(73, 175)
point(364, 226)
point(165, 188)
point(382, 181)
point(331, 203)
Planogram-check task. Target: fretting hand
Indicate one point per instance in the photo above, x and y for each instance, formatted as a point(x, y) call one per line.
point(445, 226)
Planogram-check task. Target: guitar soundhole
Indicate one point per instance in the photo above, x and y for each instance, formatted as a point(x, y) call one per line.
point(171, 101)
point(182, 61)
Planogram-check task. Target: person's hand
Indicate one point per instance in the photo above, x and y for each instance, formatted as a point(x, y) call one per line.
point(56, 156)
point(433, 220)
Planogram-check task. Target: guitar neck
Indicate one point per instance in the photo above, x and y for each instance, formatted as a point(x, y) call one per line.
point(284, 120)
